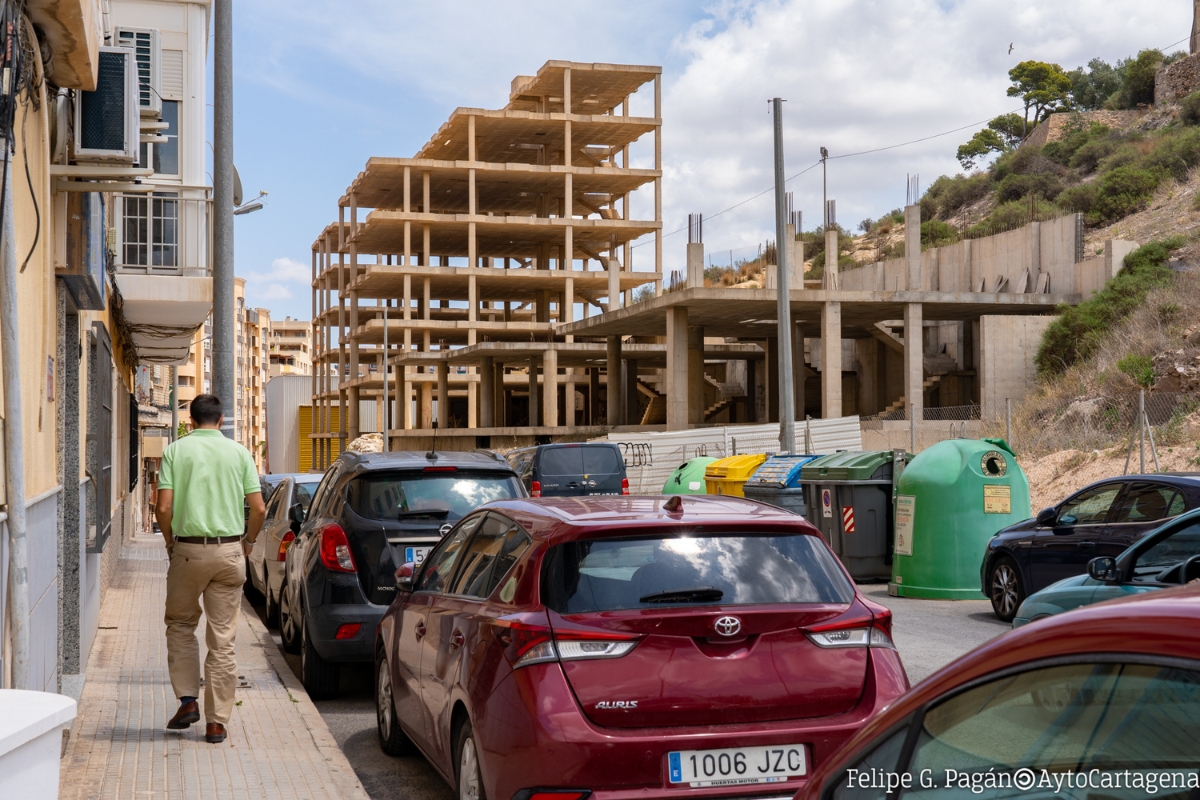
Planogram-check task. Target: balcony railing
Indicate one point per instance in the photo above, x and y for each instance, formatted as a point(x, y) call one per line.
point(163, 233)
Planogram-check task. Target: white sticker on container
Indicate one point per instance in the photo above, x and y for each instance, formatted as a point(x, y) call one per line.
point(906, 512)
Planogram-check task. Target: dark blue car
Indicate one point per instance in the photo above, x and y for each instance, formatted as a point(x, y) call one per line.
point(1102, 519)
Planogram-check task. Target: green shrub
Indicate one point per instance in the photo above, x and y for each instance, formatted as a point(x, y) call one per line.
point(1189, 109)
point(947, 196)
point(1122, 192)
point(1078, 198)
point(1012, 215)
point(935, 233)
point(1016, 187)
point(1139, 368)
point(1124, 155)
point(1175, 154)
point(1078, 330)
point(1089, 156)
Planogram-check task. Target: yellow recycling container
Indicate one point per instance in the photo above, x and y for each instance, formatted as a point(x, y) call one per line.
point(728, 475)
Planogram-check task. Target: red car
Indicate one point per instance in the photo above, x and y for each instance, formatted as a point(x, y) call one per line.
point(1102, 702)
point(630, 647)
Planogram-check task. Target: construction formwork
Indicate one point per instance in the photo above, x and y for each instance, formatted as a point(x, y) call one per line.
point(497, 229)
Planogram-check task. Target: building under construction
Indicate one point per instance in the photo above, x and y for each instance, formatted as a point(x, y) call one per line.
point(501, 227)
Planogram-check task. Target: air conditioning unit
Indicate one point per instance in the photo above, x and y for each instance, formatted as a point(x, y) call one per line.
point(144, 42)
point(107, 120)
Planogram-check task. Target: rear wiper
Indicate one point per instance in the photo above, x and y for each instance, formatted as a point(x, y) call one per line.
point(693, 594)
point(440, 513)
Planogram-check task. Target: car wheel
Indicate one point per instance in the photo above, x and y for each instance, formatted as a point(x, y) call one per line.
point(289, 622)
point(320, 677)
point(249, 589)
point(392, 739)
point(1005, 588)
point(271, 604)
point(467, 775)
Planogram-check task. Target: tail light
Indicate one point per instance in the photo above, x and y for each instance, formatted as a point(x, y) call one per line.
point(335, 549)
point(284, 544)
point(348, 631)
point(854, 629)
point(525, 644)
point(535, 489)
point(624, 485)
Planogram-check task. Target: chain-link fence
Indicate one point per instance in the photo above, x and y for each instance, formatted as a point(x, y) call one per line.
point(941, 414)
point(1102, 421)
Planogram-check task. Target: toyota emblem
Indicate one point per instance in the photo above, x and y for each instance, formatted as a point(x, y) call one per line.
point(728, 626)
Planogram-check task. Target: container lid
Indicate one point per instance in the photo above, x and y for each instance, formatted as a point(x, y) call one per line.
point(734, 467)
point(26, 715)
point(847, 466)
point(780, 471)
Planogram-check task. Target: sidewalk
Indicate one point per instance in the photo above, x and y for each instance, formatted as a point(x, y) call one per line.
point(119, 747)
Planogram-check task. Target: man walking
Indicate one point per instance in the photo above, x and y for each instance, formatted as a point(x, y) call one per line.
point(201, 486)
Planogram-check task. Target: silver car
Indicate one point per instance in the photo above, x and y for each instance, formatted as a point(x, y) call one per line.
point(286, 509)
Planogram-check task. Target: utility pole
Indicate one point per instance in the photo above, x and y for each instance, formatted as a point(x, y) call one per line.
point(224, 383)
point(825, 185)
point(787, 404)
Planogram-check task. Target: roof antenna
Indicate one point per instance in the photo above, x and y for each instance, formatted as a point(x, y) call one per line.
point(674, 505)
point(432, 454)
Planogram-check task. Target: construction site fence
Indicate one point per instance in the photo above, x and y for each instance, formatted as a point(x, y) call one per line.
point(1100, 422)
point(650, 458)
point(945, 413)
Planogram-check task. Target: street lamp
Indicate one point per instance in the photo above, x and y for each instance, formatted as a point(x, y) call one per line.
point(251, 206)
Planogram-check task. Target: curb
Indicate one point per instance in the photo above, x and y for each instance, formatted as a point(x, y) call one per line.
point(345, 780)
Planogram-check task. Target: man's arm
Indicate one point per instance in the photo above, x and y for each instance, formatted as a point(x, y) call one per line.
point(163, 513)
point(258, 513)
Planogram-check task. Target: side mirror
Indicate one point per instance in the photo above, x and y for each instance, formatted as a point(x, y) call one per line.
point(404, 576)
point(1045, 517)
point(296, 517)
point(1104, 569)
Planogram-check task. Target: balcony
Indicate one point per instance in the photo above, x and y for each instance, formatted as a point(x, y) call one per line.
point(163, 260)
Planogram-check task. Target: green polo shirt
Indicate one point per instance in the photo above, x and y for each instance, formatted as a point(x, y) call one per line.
point(211, 476)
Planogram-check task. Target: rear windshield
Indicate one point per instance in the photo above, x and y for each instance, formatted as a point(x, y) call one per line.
point(725, 569)
point(303, 494)
point(594, 460)
point(442, 495)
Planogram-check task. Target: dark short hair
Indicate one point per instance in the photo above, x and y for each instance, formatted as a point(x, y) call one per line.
point(206, 409)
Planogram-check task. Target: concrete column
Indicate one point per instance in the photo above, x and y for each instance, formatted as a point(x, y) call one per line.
point(795, 257)
point(912, 246)
point(867, 351)
point(500, 411)
point(593, 395)
point(614, 284)
point(443, 394)
point(696, 381)
point(830, 280)
point(632, 399)
point(677, 368)
point(534, 401)
point(771, 378)
point(914, 360)
point(752, 390)
point(487, 393)
point(616, 397)
point(831, 360)
point(695, 265)
point(1035, 255)
point(550, 388)
point(798, 375)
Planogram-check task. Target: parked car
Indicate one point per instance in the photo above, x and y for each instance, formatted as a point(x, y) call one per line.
point(1107, 693)
point(1168, 556)
point(630, 647)
point(1103, 519)
point(270, 481)
point(289, 503)
point(370, 514)
point(571, 470)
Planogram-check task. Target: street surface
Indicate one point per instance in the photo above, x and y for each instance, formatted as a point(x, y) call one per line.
point(928, 633)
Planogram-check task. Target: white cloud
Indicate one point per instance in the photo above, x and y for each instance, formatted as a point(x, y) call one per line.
point(277, 283)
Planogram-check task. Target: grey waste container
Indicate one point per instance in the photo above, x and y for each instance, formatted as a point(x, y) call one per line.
point(849, 499)
point(777, 482)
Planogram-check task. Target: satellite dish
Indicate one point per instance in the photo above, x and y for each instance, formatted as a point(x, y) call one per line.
point(237, 188)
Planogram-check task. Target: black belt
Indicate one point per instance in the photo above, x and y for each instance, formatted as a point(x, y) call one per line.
point(208, 539)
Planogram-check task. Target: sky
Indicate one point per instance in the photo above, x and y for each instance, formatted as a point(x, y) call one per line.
point(318, 93)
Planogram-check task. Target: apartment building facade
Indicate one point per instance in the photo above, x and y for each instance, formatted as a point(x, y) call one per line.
point(291, 347)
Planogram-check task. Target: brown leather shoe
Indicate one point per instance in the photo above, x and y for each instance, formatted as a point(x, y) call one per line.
point(188, 713)
point(214, 733)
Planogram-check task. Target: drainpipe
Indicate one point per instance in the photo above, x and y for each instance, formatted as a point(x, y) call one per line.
point(14, 450)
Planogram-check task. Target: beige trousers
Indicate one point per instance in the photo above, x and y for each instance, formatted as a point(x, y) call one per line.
point(215, 572)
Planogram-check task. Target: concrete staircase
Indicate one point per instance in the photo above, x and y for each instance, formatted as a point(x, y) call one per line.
point(656, 411)
point(926, 385)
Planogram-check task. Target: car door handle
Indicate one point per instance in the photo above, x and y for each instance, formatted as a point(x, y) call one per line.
point(457, 640)
point(419, 630)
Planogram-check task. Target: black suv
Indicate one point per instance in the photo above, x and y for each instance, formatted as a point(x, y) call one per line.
point(571, 470)
point(1102, 519)
point(372, 513)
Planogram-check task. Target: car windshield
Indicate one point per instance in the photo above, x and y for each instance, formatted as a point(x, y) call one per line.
point(1178, 547)
point(729, 569)
point(442, 495)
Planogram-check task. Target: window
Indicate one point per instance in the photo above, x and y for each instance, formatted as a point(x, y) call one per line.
point(493, 551)
point(439, 565)
point(1110, 716)
point(615, 574)
point(445, 495)
point(1147, 502)
point(1178, 547)
point(1089, 507)
point(150, 231)
point(884, 757)
point(601, 460)
point(274, 504)
point(166, 154)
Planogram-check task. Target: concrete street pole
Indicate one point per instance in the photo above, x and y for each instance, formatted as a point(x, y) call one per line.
point(175, 403)
point(787, 399)
point(222, 210)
